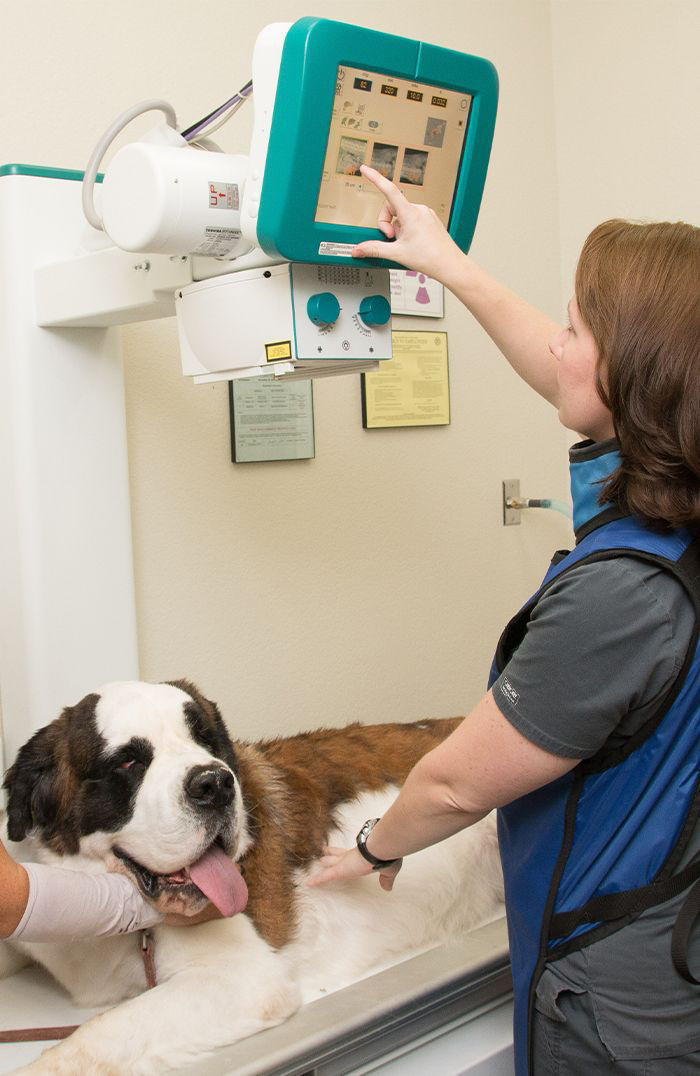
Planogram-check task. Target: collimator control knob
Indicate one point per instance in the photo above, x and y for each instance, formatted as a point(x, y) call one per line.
point(375, 310)
point(324, 308)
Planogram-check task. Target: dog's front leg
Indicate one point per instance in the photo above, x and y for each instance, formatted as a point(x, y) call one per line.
point(245, 988)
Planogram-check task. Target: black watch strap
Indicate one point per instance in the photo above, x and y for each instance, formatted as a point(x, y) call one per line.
point(377, 864)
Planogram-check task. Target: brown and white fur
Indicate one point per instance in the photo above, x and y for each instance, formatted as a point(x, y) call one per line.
point(109, 774)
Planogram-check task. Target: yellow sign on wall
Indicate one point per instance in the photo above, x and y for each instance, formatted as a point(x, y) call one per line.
point(412, 388)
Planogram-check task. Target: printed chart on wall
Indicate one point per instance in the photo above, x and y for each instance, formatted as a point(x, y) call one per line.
point(416, 293)
point(412, 388)
point(271, 420)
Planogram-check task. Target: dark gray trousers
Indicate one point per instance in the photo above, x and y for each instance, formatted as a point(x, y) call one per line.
point(573, 1047)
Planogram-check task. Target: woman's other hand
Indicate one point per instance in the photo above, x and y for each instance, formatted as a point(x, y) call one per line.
point(343, 864)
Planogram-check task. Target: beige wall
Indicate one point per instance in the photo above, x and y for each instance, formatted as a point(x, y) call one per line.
point(372, 582)
point(627, 86)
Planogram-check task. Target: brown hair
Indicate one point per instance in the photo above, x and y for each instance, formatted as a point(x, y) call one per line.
point(638, 291)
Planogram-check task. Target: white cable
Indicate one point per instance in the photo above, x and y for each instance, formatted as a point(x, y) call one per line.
point(103, 145)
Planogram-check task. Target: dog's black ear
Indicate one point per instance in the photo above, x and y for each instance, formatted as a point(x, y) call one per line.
point(31, 786)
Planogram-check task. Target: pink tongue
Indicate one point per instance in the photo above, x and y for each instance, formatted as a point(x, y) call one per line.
point(220, 880)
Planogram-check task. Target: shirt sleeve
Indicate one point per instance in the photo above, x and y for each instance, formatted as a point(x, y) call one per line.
point(602, 644)
point(65, 905)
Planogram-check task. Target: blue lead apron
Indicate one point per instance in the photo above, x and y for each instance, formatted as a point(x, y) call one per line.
point(584, 855)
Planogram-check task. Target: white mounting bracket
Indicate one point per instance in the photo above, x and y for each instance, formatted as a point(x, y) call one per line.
point(108, 287)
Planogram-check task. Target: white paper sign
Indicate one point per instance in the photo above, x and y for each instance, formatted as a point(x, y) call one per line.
point(271, 420)
point(416, 293)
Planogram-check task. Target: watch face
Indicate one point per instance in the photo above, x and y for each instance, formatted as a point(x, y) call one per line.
point(367, 829)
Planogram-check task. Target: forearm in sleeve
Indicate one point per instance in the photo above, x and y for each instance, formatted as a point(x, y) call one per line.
point(66, 905)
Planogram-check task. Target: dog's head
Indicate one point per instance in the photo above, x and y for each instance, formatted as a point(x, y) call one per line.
point(145, 774)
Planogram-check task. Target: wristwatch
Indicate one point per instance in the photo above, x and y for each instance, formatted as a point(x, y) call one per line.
point(377, 864)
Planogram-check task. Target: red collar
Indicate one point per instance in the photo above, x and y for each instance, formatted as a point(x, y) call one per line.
point(147, 953)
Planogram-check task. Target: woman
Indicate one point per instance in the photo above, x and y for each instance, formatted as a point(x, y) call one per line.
point(588, 739)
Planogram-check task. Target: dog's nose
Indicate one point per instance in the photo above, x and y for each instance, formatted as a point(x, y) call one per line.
point(209, 786)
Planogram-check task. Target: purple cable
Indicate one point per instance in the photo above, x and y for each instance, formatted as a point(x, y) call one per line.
point(200, 125)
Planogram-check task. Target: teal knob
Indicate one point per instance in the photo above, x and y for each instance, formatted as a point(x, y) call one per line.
point(323, 309)
point(375, 310)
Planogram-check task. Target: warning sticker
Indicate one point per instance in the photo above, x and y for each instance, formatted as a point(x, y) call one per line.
point(336, 250)
point(223, 195)
point(217, 242)
point(280, 350)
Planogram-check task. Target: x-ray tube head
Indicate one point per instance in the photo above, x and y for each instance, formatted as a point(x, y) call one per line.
point(175, 200)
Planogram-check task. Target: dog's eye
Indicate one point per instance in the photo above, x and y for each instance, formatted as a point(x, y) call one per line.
point(126, 764)
point(133, 758)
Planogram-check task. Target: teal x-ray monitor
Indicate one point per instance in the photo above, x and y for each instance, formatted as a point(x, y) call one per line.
point(345, 96)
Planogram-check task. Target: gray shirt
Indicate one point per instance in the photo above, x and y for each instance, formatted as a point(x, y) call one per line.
point(602, 647)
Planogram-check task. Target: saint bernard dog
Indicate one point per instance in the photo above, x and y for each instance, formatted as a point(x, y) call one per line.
point(144, 778)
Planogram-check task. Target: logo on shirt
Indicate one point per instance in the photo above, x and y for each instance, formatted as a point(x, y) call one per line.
point(509, 691)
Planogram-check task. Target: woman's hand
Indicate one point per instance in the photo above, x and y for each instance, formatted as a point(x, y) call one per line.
point(420, 239)
point(342, 864)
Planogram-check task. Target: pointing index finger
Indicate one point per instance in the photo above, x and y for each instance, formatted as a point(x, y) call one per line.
point(390, 191)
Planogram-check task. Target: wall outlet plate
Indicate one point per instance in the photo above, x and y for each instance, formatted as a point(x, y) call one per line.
point(511, 491)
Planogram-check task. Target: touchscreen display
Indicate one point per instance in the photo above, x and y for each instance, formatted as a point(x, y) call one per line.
point(410, 132)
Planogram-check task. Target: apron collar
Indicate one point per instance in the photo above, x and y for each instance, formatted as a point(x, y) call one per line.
point(590, 463)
